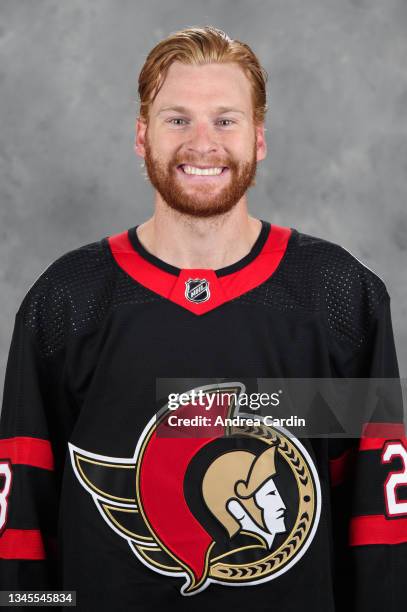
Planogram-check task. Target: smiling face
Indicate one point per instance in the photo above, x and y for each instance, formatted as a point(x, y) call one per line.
point(201, 146)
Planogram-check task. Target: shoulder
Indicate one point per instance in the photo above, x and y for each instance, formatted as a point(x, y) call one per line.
point(337, 269)
point(344, 287)
point(75, 293)
point(319, 277)
point(71, 294)
point(335, 265)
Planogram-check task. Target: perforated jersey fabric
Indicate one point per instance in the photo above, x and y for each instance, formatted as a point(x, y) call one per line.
point(75, 292)
point(95, 499)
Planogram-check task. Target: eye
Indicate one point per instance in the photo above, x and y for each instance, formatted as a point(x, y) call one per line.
point(179, 120)
point(271, 493)
point(176, 119)
point(230, 121)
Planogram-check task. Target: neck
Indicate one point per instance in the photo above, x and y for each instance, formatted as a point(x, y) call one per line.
point(189, 242)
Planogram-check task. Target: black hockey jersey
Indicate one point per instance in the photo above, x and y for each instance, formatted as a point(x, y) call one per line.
point(97, 493)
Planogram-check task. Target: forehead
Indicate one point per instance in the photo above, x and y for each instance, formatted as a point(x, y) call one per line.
point(269, 485)
point(199, 86)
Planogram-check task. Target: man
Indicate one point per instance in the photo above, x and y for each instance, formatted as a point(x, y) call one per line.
point(99, 493)
point(201, 159)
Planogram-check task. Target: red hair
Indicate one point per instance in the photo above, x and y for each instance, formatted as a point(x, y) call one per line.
point(199, 46)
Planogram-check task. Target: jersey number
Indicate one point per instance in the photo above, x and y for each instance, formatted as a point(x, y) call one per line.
point(5, 483)
point(395, 506)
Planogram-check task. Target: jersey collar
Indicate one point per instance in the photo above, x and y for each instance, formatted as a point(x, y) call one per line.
point(200, 290)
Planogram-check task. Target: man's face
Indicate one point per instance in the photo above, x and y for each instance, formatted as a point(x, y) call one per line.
point(202, 118)
point(269, 499)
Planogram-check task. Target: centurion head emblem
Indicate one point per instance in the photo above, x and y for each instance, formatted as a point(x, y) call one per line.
point(239, 490)
point(197, 290)
point(238, 506)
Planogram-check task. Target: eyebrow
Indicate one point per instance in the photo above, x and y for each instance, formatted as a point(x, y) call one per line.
point(183, 109)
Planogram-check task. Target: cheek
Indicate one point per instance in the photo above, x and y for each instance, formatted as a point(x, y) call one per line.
point(240, 149)
point(162, 154)
point(272, 502)
point(166, 147)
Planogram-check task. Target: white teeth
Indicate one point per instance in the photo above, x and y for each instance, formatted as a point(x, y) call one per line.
point(202, 171)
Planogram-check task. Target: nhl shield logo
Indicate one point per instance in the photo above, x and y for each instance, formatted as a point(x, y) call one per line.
point(197, 290)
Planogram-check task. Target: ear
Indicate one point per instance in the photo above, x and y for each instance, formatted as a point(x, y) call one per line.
point(141, 127)
point(261, 142)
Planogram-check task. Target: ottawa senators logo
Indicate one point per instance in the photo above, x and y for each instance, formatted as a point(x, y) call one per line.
point(237, 506)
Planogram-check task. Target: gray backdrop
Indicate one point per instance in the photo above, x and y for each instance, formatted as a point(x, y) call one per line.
point(337, 126)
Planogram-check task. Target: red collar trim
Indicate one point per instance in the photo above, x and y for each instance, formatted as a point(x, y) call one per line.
point(200, 290)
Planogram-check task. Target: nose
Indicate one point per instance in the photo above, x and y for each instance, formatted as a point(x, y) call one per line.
point(282, 504)
point(202, 140)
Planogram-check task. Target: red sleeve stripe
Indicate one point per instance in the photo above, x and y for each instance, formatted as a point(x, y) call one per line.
point(28, 451)
point(340, 467)
point(22, 544)
point(377, 529)
point(374, 435)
